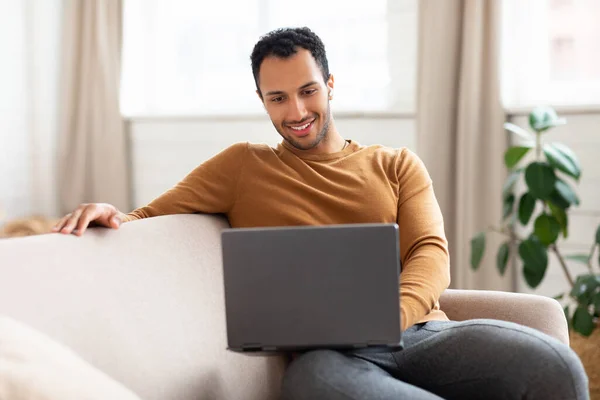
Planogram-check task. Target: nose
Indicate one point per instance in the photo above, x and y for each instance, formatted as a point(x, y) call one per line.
point(296, 110)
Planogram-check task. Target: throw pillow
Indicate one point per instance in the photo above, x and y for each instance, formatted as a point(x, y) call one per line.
point(35, 367)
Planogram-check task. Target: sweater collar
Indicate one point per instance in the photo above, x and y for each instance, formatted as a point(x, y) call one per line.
point(351, 148)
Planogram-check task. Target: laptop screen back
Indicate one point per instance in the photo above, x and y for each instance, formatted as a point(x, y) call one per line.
point(311, 287)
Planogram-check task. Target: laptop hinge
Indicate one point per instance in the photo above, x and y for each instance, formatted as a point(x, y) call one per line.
point(371, 343)
point(252, 346)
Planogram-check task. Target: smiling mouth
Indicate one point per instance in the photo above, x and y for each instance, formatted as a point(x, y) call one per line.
point(301, 130)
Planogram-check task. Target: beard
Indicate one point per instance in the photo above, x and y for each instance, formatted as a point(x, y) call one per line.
point(322, 134)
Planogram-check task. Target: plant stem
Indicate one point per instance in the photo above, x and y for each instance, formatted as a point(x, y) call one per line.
point(497, 230)
point(510, 234)
point(589, 261)
point(563, 264)
point(538, 146)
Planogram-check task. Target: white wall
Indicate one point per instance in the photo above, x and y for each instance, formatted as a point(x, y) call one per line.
point(581, 134)
point(29, 48)
point(164, 150)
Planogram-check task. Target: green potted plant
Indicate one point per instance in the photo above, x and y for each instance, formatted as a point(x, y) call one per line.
point(546, 201)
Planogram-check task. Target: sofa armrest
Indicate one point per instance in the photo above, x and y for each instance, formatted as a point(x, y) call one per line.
point(539, 312)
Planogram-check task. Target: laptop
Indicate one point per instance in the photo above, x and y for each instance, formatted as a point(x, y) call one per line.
point(312, 287)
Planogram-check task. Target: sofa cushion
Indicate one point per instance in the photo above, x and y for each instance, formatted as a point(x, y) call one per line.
point(35, 367)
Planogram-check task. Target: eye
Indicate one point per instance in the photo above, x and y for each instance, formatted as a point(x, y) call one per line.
point(308, 92)
point(277, 99)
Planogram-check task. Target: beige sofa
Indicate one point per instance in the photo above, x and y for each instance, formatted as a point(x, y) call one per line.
point(144, 304)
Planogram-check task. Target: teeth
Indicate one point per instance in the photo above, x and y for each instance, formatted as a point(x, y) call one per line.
point(299, 128)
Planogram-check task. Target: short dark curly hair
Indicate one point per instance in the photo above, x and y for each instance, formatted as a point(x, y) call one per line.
point(284, 43)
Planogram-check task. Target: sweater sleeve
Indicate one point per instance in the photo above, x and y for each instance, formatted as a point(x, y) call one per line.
point(209, 188)
point(424, 255)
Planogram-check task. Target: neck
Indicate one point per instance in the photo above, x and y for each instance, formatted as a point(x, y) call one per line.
point(332, 143)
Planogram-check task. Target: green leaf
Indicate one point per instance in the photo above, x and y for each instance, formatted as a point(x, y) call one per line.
point(526, 207)
point(559, 296)
point(502, 257)
point(510, 182)
point(566, 310)
point(517, 130)
point(598, 235)
point(533, 276)
point(597, 302)
point(544, 118)
point(508, 205)
point(535, 260)
point(583, 321)
point(584, 288)
point(477, 249)
point(540, 179)
point(558, 200)
point(565, 191)
point(580, 258)
point(514, 154)
point(561, 217)
point(568, 153)
point(560, 161)
point(546, 228)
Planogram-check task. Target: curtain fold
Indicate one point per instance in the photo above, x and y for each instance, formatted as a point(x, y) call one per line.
point(93, 162)
point(460, 128)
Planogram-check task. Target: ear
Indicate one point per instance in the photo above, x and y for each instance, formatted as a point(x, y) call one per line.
point(330, 84)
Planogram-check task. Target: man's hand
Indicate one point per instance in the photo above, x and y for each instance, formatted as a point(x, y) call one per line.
point(98, 213)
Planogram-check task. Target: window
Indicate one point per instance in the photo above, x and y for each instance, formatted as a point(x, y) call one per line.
point(551, 52)
point(192, 57)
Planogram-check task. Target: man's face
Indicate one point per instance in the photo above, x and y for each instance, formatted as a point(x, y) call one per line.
point(296, 98)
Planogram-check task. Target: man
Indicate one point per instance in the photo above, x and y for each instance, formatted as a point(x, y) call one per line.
point(316, 177)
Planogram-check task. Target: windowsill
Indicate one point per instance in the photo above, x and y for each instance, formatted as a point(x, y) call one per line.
point(509, 111)
point(561, 110)
point(263, 116)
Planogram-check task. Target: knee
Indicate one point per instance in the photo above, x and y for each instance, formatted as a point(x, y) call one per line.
point(563, 366)
point(309, 365)
point(550, 365)
point(305, 370)
point(554, 358)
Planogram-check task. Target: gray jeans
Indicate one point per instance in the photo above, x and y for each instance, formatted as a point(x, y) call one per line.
point(476, 359)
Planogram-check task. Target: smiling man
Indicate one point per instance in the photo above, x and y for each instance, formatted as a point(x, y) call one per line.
point(295, 89)
point(316, 177)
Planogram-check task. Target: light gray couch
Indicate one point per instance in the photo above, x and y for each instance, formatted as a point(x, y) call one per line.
point(145, 305)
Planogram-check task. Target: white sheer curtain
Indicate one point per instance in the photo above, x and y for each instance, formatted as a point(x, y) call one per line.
point(30, 53)
point(92, 149)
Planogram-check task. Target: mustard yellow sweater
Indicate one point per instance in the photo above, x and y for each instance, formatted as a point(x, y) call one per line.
point(257, 185)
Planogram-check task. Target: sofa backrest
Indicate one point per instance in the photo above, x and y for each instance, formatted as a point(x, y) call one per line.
point(143, 303)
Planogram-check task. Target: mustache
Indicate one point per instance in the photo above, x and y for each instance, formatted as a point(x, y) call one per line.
point(302, 121)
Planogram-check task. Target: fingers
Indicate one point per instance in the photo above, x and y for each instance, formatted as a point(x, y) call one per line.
point(86, 217)
point(71, 223)
point(78, 221)
point(61, 223)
